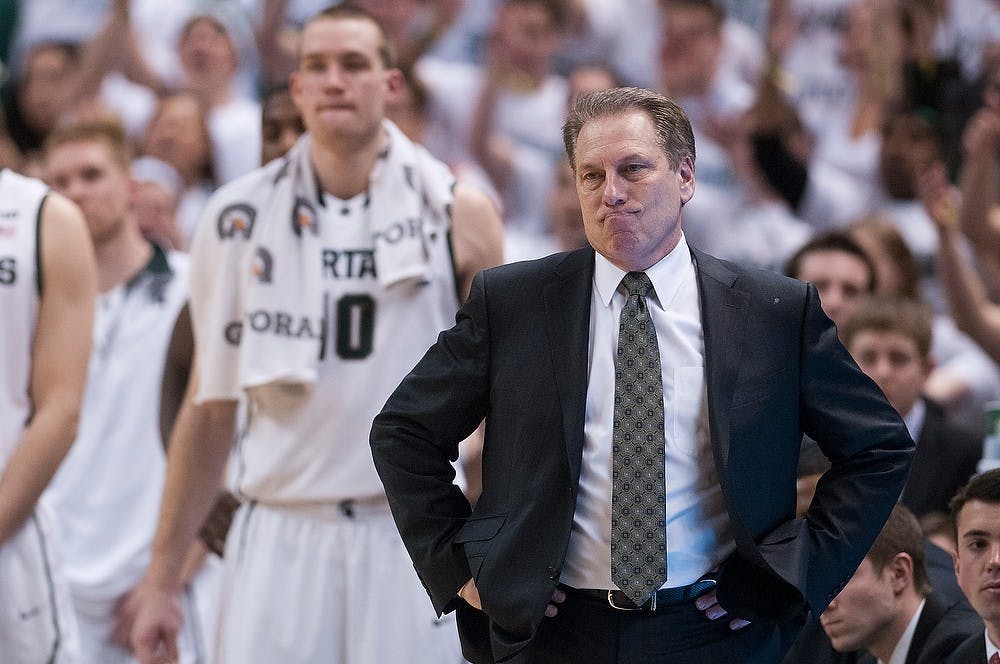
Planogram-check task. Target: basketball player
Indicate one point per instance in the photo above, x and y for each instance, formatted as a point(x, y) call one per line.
point(107, 491)
point(318, 280)
point(47, 288)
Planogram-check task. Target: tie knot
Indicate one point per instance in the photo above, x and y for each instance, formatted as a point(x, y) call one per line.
point(637, 283)
point(995, 659)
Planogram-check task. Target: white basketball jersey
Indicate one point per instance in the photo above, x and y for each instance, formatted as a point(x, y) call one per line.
point(107, 490)
point(315, 449)
point(20, 279)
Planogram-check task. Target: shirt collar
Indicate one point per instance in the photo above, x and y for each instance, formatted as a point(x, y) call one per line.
point(990, 648)
point(914, 419)
point(157, 265)
point(666, 274)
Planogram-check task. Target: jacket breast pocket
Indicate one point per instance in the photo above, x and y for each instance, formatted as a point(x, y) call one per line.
point(476, 536)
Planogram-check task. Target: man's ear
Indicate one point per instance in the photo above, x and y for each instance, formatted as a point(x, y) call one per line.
point(686, 173)
point(394, 84)
point(900, 571)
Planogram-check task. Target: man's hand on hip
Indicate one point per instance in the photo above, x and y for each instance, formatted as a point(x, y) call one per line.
point(713, 610)
point(470, 593)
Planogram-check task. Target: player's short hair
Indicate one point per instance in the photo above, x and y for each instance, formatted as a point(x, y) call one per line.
point(832, 241)
point(349, 10)
point(901, 534)
point(909, 318)
point(984, 487)
point(106, 129)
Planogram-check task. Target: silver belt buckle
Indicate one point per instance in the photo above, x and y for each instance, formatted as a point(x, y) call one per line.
point(611, 602)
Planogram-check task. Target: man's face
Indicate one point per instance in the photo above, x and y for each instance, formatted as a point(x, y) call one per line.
point(527, 36)
point(977, 561)
point(565, 219)
point(46, 86)
point(281, 126)
point(206, 52)
point(841, 279)
point(689, 55)
point(341, 86)
point(177, 136)
point(908, 150)
point(862, 610)
point(630, 196)
point(894, 362)
point(86, 172)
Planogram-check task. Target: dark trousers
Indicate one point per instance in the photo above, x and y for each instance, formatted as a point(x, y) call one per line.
point(589, 631)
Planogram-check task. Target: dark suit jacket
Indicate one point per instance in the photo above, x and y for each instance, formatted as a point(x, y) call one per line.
point(970, 651)
point(943, 626)
point(941, 571)
point(518, 357)
point(946, 457)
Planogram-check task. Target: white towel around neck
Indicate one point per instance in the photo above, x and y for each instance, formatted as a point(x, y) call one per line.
point(282, 269)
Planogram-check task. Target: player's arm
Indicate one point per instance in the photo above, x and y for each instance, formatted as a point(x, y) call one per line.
point(477, 235)
point(197, 453)
point(59, 355)
point(174, 395)
point(176, 372)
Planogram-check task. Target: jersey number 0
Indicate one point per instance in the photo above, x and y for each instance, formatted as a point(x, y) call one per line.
point(355, 326)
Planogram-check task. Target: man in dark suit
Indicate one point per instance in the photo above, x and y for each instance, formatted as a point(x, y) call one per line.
point(888, 612)
point(644, 407)
point(890, 339)
point(975, 510)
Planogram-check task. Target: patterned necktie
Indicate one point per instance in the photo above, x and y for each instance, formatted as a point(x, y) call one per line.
point(638, 498)
point(995, 659)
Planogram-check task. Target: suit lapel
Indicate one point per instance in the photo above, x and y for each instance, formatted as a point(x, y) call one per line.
point(567, 308)
point(723, 308)
point(934, 609)
point(723, 312)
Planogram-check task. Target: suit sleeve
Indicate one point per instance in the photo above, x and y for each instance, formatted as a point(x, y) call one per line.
point(416, 436)
point(869, 449)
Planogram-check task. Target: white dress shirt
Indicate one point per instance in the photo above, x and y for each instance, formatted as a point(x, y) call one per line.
point(914, 420)
point(697, 534)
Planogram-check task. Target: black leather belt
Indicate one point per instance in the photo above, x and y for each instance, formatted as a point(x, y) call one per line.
point(664, 597)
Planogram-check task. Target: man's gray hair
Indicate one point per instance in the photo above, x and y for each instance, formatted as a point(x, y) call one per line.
point(673, 128)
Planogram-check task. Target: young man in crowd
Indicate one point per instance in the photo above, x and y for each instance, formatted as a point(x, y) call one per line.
point(888, 610)
point(890, 339)
point(976, 513)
